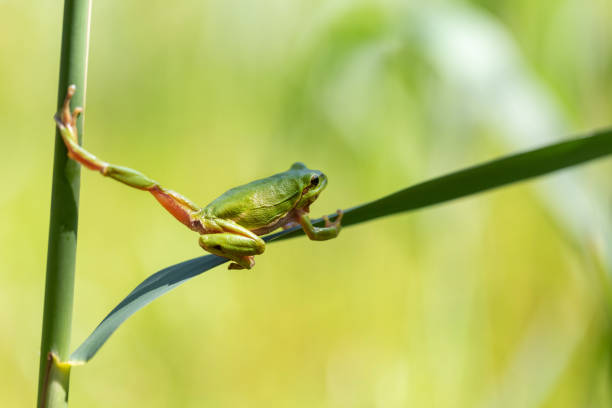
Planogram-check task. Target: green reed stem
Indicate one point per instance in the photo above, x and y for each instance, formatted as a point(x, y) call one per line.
point(59, 287)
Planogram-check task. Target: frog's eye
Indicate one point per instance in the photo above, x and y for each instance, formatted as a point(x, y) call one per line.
point(314, 180)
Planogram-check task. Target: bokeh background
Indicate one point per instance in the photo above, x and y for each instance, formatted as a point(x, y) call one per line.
point(498, 300)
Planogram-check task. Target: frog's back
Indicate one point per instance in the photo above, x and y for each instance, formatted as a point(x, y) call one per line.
point(258, 203)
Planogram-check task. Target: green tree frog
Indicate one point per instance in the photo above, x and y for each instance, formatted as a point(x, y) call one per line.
point(231, 225)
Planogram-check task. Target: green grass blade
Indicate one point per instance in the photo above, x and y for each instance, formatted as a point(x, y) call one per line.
point(462, 183)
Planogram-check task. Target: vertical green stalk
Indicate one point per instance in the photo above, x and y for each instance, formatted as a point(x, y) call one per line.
point(57, 316)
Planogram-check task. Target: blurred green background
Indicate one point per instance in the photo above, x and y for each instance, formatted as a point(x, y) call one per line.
point(499, 300)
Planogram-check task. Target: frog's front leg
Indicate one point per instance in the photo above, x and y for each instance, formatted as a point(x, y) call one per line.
point(331, 229)
point(235, 242)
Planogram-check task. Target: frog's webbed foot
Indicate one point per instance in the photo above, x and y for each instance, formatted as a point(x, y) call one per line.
point(67, 125)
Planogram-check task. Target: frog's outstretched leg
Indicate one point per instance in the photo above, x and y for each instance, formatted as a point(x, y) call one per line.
point(180, 207)
point(235, 242)
point(331, 229)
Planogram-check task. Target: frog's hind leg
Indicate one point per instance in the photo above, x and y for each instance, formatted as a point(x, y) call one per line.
point(179, 206)
point(235, 242)
point(238, 248)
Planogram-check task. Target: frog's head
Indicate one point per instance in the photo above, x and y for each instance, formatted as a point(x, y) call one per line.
point(312, 181)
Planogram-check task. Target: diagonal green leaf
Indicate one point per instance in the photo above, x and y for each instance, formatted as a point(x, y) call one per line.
point(486, 176)
point(462, 183)
point(150, 289)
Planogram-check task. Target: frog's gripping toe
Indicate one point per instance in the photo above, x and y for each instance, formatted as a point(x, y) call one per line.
point(66, 117)
point(337, 221)
point(234, 265)
point(246, 262)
